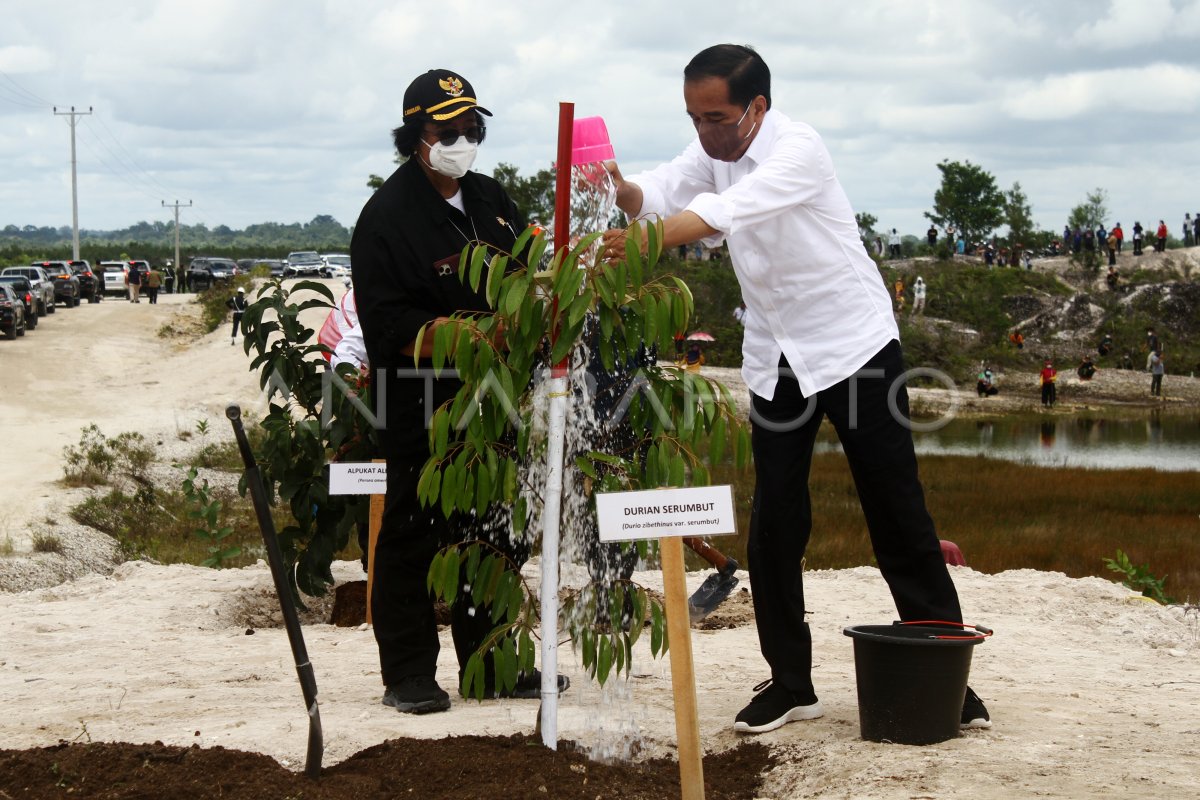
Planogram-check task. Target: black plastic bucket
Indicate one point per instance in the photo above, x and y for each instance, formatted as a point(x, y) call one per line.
point(912, 680)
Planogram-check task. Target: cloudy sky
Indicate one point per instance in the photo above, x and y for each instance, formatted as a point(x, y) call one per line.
point(278, 110)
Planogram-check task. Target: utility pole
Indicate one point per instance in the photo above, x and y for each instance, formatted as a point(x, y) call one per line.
point(178, 272)
point(74, 184)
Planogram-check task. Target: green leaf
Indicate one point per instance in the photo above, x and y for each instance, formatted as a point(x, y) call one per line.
point(677, 471)
point(477, 260)
point(604, 659)
point(450, 576)
point(716, 440)
point(658, 630)
point(449, 490)
point(515, 294)
point(494, 281)
point(433, 579)
point(585, 466)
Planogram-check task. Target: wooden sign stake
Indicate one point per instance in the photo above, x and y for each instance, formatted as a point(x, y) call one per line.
point(683, 675)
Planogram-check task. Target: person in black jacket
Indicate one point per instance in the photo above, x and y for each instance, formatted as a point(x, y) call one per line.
point(405, 253)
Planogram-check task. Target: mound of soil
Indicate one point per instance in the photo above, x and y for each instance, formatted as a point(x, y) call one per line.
point(455, 768)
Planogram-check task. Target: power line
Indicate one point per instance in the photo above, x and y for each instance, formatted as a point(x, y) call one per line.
point(30, 100)
point(120, 169)
point(129, 157)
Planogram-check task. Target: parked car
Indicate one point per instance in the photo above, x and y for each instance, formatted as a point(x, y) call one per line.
point(303, 262)
point(116, 275)
point(203, 272)
point(89, 285)
point(337, 265)
point(66, 282)
point(23, 288)
point(43, 286)
point(12, 313)
point(274, 265)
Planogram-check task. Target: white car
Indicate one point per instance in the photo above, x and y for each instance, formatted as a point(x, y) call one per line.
point(337, 265)
point(303, 262)
point(116, 275)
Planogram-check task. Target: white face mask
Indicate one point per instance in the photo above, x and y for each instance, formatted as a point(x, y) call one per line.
point(454, 160)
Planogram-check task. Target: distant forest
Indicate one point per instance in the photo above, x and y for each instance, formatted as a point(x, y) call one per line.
point(156, 241)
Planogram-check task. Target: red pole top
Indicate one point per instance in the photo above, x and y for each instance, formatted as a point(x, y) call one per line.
point(562, 197)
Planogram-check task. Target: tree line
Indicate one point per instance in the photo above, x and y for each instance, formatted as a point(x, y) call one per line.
point(967, 200)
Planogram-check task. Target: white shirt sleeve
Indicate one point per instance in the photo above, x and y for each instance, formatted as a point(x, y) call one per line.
point(351, 349)
point(792, 175)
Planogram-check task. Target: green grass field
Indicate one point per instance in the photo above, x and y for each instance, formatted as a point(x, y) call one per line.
point(1012, 516)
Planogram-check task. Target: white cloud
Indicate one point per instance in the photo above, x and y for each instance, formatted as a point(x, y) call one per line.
point(1152, 88)
point(20, 59)
point(278, 109)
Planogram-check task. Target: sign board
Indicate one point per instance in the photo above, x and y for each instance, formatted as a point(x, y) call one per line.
point(358, 478)
point(695, 511)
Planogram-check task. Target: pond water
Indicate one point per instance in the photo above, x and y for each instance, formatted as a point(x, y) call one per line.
point(1169, 443)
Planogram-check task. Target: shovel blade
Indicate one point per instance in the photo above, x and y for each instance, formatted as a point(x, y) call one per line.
point(714, 591)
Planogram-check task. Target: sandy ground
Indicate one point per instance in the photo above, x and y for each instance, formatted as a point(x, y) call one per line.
point(1093, 690)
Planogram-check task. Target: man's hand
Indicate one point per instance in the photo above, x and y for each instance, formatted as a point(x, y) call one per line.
point(629, 195)
point(613, 243)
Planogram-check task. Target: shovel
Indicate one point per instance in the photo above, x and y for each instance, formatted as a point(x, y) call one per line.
point(304, 669)
point(716, 587)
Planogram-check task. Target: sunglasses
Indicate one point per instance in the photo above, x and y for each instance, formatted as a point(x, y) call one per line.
point(449, 136)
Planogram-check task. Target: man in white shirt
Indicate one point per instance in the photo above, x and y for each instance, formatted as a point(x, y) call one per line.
point(820, 340)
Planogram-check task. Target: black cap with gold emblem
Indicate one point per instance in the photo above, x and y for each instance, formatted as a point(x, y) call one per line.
point(440, 94)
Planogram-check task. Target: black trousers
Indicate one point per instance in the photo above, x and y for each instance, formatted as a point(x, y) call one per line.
point(880, 452)
point(402, 610)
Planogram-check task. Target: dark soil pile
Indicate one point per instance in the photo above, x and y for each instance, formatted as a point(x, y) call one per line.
point(456, 768)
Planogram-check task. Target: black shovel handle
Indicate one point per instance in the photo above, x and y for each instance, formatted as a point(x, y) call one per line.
point(291, 621)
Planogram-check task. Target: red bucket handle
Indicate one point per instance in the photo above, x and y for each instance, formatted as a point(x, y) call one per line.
point(980, 631)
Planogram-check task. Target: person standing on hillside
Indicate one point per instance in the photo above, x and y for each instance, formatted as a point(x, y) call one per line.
point(1120, 234)
point(1160, 244)
point(1157, 370)
point(931, 236)
point(1112, 248)
point(919, 296)
point(1047, 379)
point(1187, 230)
point(821, 342)
point(894, 243)
point(1137, 238)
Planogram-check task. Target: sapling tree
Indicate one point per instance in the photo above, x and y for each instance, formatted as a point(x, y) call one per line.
point(315, 415)
point(483, 442)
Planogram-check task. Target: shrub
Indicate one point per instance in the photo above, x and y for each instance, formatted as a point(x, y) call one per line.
point(94, 460)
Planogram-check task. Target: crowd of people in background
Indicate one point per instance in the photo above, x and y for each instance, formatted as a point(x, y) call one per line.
point(1075, 240)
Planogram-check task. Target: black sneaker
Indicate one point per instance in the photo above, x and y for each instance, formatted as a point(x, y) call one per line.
point(774, 706)
point(974, 714)
point(529, 687)
point(416, 694)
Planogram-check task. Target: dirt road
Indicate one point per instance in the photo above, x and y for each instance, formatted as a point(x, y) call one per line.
point(106, 364)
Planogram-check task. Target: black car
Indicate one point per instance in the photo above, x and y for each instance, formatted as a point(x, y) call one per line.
point(89, 286)
point(66, 283)
point(203, 273)
point(23, 288)
point(12, 313)
point(43, 286)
